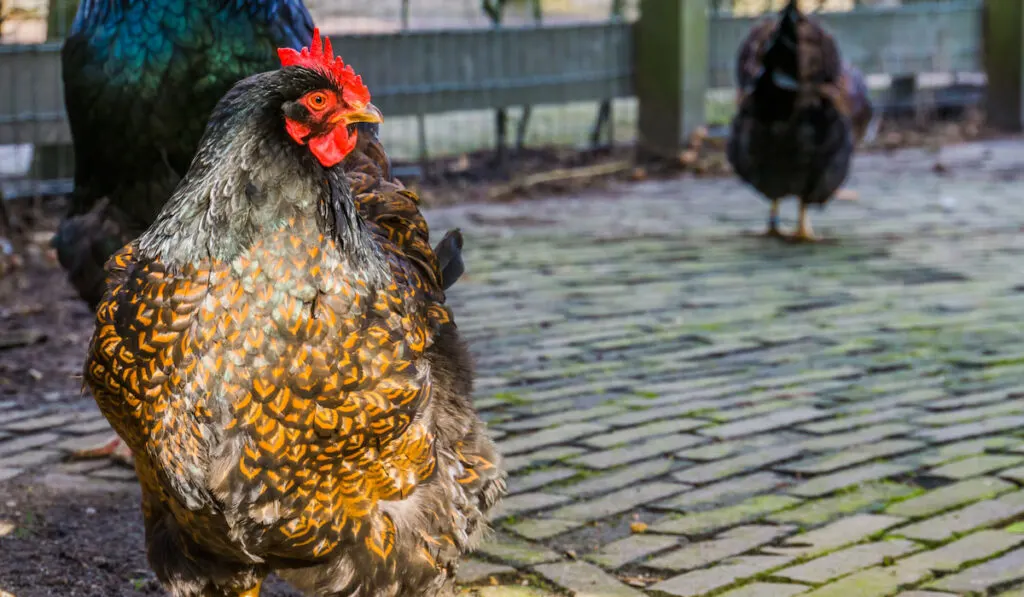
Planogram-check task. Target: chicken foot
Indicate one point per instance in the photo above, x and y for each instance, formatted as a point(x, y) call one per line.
point(115, 449)
point(253, 592)
point(773, 220)
point(804, 232)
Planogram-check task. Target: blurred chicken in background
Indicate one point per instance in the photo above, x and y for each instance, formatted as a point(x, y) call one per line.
point(800, 113)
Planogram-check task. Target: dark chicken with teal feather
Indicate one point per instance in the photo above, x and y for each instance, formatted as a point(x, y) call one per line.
point(140, 81)
point(799, 116)
point(277, 351)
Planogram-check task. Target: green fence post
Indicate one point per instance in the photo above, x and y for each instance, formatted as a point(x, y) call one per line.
point(59, 17)
point(1003, 49)
point(671, 73)
point(51, 162)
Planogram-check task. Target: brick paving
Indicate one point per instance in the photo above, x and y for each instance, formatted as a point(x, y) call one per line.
point(688, 410)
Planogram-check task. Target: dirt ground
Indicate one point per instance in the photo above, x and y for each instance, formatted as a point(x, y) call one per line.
point(44, 329)
point(62, 544)
point(77, 541)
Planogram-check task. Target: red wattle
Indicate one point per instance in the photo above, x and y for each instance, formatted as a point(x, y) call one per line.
point(334, 146)
point(296, 130)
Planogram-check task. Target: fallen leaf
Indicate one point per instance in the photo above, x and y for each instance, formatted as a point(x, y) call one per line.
point(688, 158)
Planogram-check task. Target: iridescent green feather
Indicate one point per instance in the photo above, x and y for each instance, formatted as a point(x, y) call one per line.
point(140, 80)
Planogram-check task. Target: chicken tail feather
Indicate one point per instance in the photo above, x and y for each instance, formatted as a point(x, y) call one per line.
point(872, 130)
point(85, 241)
point(449, 256)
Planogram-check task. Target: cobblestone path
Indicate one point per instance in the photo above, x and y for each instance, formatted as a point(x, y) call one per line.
point(687, 409)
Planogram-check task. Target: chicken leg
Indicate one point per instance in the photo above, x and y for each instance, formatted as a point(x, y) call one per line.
point(804, 232)
point(773, 220)
point(253, 592)
point(115, 449)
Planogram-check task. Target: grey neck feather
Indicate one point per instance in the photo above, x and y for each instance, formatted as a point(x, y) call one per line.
point(244, 183)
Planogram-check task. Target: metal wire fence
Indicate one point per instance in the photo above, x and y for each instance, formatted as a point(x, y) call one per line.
point(422, 133)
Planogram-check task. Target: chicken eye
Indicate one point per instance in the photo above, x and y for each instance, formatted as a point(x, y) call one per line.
point(317, 101)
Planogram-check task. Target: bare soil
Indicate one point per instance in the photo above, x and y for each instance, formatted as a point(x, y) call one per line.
point(44, 326)
point(59, 538)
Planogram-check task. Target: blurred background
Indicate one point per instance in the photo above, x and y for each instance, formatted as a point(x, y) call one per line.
point(482, 89)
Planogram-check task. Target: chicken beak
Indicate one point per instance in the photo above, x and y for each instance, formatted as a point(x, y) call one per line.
point(369, 113)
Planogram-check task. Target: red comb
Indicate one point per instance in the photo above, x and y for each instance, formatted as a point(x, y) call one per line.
point(320, 57)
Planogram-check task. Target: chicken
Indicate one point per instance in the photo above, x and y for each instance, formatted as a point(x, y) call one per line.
point(140, 80)
point(285, 369)
point(793, 133)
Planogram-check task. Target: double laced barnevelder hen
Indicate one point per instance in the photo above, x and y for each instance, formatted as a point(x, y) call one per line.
point(285, 369)
point(800, 113)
